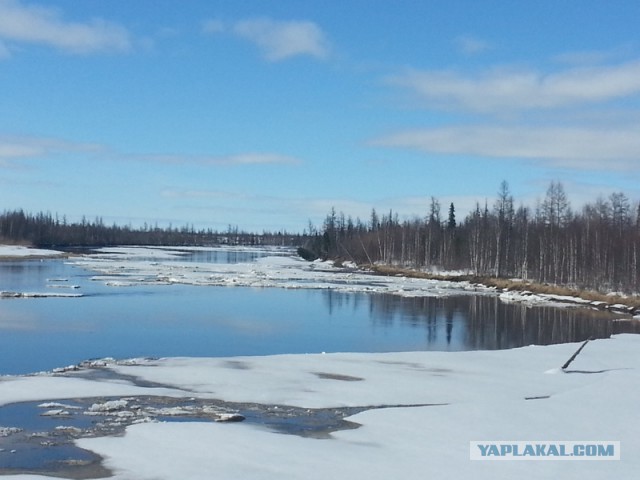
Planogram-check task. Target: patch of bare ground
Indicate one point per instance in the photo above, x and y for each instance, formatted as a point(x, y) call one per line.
point(505, 284)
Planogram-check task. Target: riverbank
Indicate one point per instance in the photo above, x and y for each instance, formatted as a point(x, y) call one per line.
point(510, 290)
point(525, 288)
point(24, 252)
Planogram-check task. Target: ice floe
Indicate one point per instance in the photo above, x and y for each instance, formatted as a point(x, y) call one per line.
point(5, 294)
point(281, 269)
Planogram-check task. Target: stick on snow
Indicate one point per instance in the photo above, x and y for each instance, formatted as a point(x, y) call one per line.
point(568, 362)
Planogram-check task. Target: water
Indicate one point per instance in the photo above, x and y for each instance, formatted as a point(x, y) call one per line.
point(40, 334)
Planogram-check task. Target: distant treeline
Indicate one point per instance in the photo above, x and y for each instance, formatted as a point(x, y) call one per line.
point(597, 247)
point(47, 230)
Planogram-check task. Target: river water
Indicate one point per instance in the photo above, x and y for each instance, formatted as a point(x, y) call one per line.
point(40, 334)
point(90, 317)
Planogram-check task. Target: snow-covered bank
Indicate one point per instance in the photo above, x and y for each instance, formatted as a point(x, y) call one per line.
point(20, 252)
point(530, 298)
point(519, 394)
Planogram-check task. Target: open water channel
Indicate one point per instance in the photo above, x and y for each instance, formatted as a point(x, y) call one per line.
point(39, 334)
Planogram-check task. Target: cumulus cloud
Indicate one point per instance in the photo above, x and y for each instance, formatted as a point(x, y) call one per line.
point(277, 40)
point(34, 24)
point(564, 147)
point(501, 90)
point(280, 40)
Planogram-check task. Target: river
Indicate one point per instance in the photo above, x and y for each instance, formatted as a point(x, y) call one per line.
point(157, 320)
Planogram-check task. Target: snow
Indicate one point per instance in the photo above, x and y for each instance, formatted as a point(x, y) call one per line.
point(518, 394)
point(4, 294)
point(55, 387)
point(138, 252)
point(133, 266)
point(546, 299)
point(6, 431)
point(17, 251)
point(110, 406)
point(124, 267)
point(57, 405)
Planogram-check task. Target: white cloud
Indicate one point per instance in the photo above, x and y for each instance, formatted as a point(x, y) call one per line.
point(11, 150)
point(505, 90)
point(17, 148)
point(20, 23)
point(213, 26)
point(595, 57)
point(20, 148)
point(278, 40)
point(471, 45)
point(583, 148)
point(249, 158)
point(254, 158)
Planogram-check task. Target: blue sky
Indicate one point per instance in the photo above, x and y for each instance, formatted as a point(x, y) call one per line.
point(265, 114)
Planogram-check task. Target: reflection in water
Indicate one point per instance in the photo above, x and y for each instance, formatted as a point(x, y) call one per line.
point(222, 256)
point(476, 322)
point(493, 324)
point(26, 275)
point(182, 320)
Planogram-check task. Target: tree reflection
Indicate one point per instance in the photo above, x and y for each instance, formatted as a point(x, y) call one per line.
point(476, 322)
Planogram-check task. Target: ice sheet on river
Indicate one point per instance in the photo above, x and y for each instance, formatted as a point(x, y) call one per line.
point(134, 266)
point(518, 394)
point(18, 251)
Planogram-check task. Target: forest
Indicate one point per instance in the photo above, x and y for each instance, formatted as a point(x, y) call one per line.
point(47, 230)
point(597, 247)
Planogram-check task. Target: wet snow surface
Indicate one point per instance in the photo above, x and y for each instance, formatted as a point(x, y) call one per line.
point(352, 415)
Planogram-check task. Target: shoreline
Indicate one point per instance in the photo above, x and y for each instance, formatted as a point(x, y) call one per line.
point(17, 258)
point(523, 392)
point(12, 253)
point(519, 290)
point(559, 293)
